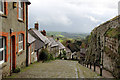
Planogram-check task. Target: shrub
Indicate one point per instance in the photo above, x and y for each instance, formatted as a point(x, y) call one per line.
point(65, 57)
point(17, 70)
point(43, 55)
point(51, 57)
point(64, 53)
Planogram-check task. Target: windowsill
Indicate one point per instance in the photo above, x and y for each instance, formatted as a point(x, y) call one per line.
point(20, 20)
point(3, 15)
point(20, 51)
point(1, 62)
point(32, 53)
point(4, 65)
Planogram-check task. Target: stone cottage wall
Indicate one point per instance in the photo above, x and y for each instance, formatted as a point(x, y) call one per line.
point(8, 22)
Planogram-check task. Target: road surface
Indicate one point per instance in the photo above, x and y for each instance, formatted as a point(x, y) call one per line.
point(56, 69)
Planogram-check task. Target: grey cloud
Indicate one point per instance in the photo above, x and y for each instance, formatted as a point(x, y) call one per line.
point(71, 15)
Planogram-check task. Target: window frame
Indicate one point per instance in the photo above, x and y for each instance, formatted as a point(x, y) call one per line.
point(32, 48)
point(2, 7)
point(20, 41)
point(21, 10)
point(3, 49)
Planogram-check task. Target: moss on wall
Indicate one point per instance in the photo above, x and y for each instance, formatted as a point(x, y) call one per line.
point(113, 33)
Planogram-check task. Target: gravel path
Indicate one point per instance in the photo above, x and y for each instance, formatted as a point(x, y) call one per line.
point(56, 69)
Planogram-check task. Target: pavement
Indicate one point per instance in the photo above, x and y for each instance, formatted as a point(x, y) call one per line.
point(105, 73)
point(56, 69)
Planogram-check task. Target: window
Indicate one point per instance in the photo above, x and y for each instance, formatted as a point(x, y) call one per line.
point(1, 7)
point(2, 49)
point(32, 48)
point(20, 42)
point(20, 8)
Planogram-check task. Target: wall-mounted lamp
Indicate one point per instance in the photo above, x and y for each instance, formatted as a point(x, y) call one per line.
point(14, 4)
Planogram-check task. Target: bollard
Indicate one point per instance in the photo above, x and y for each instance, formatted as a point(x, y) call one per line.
point(101, 70)
point(94, 66)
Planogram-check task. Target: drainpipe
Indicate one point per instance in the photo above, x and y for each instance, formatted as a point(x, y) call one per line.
point(27, 34)
point(27, 54)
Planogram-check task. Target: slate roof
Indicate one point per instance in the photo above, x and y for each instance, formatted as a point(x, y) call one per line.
point(31, 39)
point(61, 46)
point(68, 50)
point(53, 43)
point(37, 34)
point(39, 44)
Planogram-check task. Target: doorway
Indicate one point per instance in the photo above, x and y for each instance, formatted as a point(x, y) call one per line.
point(13, 53)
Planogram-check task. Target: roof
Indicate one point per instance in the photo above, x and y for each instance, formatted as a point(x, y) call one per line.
point(31, 39)
point(53, 43)
point(61, 46)
point(39, 35)
point(39, 44)
point(68, 50)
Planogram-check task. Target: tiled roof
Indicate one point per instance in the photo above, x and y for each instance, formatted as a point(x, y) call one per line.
point(39, 44)
point(67, 50)
point(30, 38)
point(61, 46)
point(53, 43)
point(37, 34)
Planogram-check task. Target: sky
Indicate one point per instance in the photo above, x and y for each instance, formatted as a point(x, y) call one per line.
point(76, 16)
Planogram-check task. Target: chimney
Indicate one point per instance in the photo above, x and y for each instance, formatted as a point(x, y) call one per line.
point(43, 32)
point(37, 26)
point(57, 39)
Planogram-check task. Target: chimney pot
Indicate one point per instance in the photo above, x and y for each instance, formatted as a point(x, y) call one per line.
point(37, 26)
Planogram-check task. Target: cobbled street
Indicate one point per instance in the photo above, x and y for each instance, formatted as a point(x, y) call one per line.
point(56, 69)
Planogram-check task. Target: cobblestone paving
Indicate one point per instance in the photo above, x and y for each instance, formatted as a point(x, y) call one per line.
point(56, 69)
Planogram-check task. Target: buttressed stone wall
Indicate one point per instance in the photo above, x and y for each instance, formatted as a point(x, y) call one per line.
point(104, 46)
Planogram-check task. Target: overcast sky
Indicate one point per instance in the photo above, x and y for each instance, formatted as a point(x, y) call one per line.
point(79, 16)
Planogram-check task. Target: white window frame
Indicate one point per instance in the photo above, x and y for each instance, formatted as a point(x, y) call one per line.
point(20, 10)
point(3, 49)
point(20, 42)
point(2, 7)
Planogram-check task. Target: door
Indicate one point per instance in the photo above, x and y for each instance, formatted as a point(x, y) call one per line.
point(13, 53)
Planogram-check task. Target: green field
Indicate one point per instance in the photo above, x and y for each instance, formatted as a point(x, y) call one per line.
point(67, 36)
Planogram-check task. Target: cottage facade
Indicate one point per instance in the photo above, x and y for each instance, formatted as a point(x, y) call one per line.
point(41, 40)
point(61, 47)
point(31, 49)
point(13, 25)
point(68, 53)
point(53, 47)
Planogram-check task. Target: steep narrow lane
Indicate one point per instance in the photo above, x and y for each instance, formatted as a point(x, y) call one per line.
point(56, 69)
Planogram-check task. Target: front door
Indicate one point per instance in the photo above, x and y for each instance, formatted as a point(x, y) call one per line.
point(13, 53)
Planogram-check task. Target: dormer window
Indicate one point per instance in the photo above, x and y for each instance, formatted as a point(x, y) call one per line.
point(1, 7)
point(20, 8)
